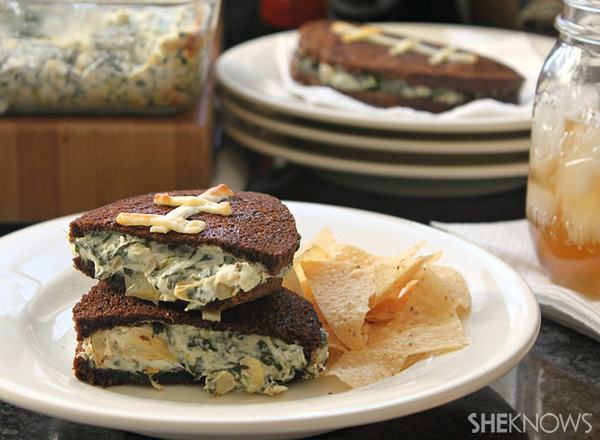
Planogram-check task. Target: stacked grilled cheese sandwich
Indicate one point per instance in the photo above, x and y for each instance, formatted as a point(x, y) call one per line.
point(190, 292)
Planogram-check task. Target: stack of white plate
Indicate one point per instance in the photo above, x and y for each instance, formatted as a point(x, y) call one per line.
point(396, 155)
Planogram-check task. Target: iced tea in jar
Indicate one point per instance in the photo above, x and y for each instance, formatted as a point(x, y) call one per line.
point(563, 192)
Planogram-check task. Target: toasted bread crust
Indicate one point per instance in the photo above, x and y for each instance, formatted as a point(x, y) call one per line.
point(260, 229)
point(318, 43)
point(282, 314)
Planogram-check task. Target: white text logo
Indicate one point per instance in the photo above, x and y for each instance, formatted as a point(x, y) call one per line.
point(503, 423)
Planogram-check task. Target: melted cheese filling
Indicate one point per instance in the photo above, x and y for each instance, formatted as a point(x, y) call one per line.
point(226, 360)
point(162, 272)
point(338, 78)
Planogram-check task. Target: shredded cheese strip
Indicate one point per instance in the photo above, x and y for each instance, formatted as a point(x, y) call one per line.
point(442, 55)
point(403, 46)
point(360, 33)
point(210, 201)
point(399, 46)
point(160, 223)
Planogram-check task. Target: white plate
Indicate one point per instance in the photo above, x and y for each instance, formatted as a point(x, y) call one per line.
point(251, 71)
point(38, 287)
point(310, 155)
point(398, 142)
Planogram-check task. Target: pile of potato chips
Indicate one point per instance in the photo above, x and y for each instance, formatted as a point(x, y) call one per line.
point(382, 314)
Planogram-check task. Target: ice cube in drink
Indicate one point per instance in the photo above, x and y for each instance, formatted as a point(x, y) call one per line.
point(563, 197)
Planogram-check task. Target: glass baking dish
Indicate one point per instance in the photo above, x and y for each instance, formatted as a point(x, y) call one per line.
point(104, 56)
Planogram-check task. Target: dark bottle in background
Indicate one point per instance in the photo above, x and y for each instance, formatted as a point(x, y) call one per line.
point(439, 11)
point(289, 14)
point(247, 19)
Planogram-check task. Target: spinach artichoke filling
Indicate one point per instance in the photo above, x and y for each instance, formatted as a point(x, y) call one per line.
point(227, 360)
point(338, 78)
point(167, 272)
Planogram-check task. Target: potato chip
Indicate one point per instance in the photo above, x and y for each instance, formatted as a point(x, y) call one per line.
point(404, 256)
point(361, 368)
point(334, 355)
point(382, 313)
point(333, 341)
point(297, 267)
point(389, 307)
point(427, 322)
point(392, 276)
point(414, 358)
point(312, 253)
point(292, 282)
point(455, 285)
point(323, 239)
point(342, 292)
point(345, 253)
point(351, 254)
point(308, 294)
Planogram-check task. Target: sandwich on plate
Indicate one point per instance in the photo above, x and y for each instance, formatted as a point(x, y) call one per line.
point(258, 346)
point(209, 249)
point(388, 70)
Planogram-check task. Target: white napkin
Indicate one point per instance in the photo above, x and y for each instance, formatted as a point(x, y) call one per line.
point(510, 242)
point(527, 61)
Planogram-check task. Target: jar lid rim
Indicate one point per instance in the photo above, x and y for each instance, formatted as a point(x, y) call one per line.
point(580, 20)
point(591, 5)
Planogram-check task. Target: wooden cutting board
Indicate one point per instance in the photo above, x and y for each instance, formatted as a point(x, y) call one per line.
point(53, 166)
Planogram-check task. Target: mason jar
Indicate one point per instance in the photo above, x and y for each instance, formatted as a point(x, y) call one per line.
point(563, 192)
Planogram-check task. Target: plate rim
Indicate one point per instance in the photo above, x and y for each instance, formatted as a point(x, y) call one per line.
point(434, 145)
point(335, 420)
point(381, 169)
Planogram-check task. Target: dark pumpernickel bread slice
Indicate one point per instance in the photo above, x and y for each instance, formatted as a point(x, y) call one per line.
point(260, 229)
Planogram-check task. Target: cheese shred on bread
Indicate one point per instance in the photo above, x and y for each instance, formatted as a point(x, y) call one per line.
point(370, 66)
point(257, 347)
